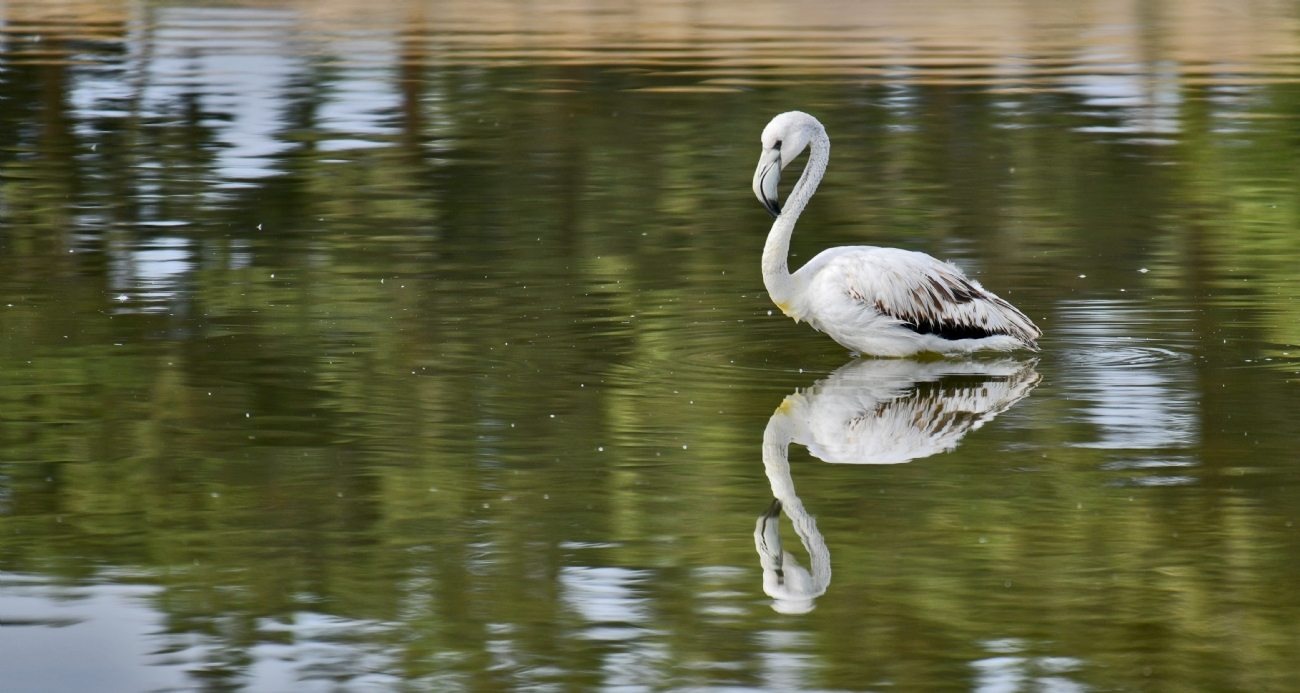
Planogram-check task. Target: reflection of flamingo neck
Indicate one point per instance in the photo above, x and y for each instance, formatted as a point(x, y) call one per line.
point(781, 430)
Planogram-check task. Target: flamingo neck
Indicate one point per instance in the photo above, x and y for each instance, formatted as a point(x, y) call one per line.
point(776, 270)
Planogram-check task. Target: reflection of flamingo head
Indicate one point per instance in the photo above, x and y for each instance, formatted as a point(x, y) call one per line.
point(791, 585)
point(869, 412)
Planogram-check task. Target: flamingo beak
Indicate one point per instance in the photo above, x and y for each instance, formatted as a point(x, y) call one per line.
point(766, 178)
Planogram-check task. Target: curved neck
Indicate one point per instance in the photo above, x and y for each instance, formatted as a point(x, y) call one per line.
point(781, 431)
point(776, 270)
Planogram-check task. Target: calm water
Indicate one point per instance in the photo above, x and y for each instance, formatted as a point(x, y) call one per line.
point(386, 346)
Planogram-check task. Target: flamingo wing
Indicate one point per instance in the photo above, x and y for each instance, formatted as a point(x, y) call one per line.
point(929, 296)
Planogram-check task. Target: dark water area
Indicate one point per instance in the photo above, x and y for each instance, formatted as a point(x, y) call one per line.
point(348, 348)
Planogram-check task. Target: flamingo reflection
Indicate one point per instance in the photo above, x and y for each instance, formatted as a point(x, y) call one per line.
point(869, 412)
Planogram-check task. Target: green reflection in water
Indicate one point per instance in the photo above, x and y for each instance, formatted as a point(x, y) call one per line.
point(487, 400)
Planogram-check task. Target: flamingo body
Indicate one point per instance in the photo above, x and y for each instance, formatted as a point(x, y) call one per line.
point(877, 301)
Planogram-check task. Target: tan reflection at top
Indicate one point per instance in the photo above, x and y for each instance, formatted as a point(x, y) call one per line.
point(941, 39)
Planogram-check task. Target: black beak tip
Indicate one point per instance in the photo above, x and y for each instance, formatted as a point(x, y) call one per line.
point(773, 207)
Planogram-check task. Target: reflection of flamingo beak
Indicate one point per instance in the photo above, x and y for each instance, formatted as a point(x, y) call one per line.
point(777, 581)
point(767, 539)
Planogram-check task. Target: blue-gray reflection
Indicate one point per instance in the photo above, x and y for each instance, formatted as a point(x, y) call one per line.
point(123, 642)
point(1010, 668)
point(1135, 395)
point(872, 411)
point(150, 276)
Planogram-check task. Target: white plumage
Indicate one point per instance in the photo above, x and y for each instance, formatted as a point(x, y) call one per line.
point(877, 301)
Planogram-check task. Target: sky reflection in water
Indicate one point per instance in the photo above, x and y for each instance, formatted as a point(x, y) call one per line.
point(407, 346)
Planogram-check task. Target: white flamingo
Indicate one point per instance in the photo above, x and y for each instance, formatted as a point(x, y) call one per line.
point(877, 301)
point(869, 412)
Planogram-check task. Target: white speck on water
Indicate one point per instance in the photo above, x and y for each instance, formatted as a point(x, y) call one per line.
point(123, 298)
point(683, 447)
point(552, 416)
point(216, 495)
point(485, 505)
point(1083, 276)
point(769, 312)
point(259, 227)
point(512, 425)
point(546, 496)
point(273, 275)
point(432, 490)
point(601, 449)
point(983, 540)
point(1144, 270)
point(248, 415)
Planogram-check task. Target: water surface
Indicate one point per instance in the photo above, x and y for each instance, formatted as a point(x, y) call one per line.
point(404, 346)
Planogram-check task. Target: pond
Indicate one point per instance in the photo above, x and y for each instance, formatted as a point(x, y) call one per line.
point(404, 346)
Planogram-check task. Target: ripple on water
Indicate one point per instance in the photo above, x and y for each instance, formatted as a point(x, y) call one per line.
point(1156, 480)
point(1150, 463)
point(1133, 388)
point(1152, 466)
point(1121, 357)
